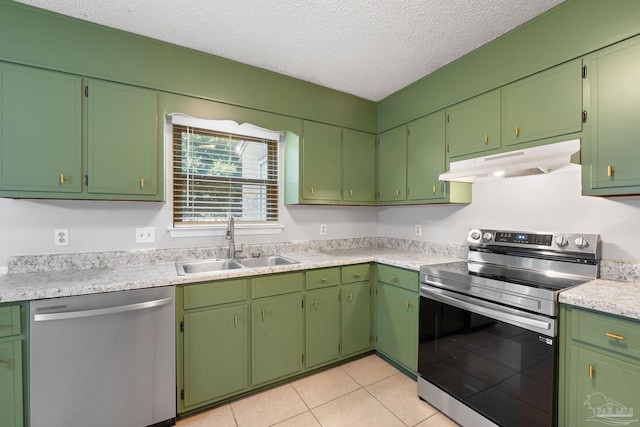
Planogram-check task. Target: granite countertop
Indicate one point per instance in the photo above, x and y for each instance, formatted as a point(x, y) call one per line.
point(53, 284)
point(52, 276)
point(608, 296)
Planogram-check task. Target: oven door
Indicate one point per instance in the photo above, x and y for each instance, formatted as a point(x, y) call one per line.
point(483, 364)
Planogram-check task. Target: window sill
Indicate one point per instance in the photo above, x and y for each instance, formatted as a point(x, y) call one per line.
point(221, 230)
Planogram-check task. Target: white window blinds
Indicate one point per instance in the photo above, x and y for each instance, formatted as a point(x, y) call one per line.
point(217, 174)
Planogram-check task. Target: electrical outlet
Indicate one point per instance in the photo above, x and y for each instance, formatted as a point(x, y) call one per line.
point(418, 230)
point(61, 237)
point(145, 235)
point(323, 229)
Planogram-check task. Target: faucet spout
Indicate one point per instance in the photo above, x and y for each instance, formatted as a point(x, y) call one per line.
point(231, 236)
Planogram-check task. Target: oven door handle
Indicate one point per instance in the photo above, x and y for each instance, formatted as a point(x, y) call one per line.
point(487, 309)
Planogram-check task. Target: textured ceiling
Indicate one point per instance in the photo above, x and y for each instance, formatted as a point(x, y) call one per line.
point(368, 48)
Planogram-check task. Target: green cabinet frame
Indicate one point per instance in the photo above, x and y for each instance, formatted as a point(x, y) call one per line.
point(14, 365)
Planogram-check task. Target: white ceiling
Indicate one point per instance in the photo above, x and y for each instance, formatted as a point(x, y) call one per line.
point(368, 48)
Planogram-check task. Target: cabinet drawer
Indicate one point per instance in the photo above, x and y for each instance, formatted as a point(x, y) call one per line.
point(607, 332)
point(395, 276)
point(10, 321)
point(276, 284)
point(356, 273)
point(323, 278)
point(214, 293)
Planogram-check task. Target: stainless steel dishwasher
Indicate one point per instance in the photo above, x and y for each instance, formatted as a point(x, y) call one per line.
point(103, 360)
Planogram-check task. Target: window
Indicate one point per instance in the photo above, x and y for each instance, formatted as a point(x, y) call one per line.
point(217, 174)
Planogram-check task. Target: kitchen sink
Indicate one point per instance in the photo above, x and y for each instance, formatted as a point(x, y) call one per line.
point(267, 261)
point(206, 266)
point(211, 265)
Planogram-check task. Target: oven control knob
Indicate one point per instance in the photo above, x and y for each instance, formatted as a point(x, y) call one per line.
point(487, 236)
point(562, 241)
point(582, 243)
point(475, 235)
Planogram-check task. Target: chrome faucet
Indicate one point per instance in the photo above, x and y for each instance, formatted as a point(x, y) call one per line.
point(231, 236)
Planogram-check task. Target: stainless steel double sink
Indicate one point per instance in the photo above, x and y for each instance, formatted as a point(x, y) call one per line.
point(210, 265)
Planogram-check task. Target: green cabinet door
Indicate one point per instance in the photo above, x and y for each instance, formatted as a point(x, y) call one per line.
point(602, 389)
point(276, 338)
point(215, 354)
point(392, 165)
point(356, 318)
point(321, 162)
point(122, 137)
point(358, 166)
point(11, 405)
point(322, 324)
point(473, 126)
point(40, 131)
point(397, 325)
point(610, 163)
point(544, 105)
point(426, 158)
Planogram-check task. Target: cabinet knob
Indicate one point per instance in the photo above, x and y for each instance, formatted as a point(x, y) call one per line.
point(62, 179)
point(517, 131)
point(263, 314)
point(351, 193)
point(435, 189)
point(350, 296)
point(592, 371)
point(235, 320)
point(357, 276)
point(397, 191)
point(394, 278)
point(141, 182)
point(315, 304)
point(408, 305)
point(486, 138)
point(324, 280)
point(610, 170)
point(6, 362)
point(311, 190)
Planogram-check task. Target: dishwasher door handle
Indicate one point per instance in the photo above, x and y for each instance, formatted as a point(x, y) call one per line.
point(101, 311)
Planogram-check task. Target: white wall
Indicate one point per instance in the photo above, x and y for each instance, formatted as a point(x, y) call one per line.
point(27, 226)
point(535, 203)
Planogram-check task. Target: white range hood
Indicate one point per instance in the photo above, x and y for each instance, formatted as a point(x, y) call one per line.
point(529, 161)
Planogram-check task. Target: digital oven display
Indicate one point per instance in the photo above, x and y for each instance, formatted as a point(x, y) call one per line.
point(524, 238)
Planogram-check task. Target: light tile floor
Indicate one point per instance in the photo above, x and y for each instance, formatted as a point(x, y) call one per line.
point(365, 392)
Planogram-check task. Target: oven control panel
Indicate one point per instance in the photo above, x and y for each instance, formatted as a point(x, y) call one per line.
point(559, 242)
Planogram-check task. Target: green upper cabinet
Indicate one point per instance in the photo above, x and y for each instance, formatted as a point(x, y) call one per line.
point(473, 126)
point(122, 140)
point(426, 158)
point(611, 146)
point(392, 165)
point(40, 131)
point(358, 167)
point(321, 162)
point(52, 145)
point(332, 166)
point(544, 105)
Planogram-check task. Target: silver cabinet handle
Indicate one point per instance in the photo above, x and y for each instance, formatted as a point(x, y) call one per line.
point(102, 311)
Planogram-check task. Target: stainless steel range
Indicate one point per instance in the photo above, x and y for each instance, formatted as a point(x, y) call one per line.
point(488, 326)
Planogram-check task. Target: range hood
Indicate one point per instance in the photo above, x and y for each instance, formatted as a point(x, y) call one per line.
point(530, 161)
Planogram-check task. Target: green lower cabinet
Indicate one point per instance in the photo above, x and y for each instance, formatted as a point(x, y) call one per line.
point(397, 325)
point(11, 404)
point(599, 369)
point(276, 338)
point(322, 324)
point(215, 354)
point(601, 389)
point(356, 318)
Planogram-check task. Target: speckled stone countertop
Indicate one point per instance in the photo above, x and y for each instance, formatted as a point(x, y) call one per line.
point(52, 284)
point(608, 296)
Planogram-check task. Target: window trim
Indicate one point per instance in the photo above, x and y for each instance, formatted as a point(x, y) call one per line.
point(244, 129)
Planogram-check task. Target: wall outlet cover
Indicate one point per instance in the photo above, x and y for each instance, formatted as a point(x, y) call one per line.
point(418, 230)
point(323, 229)
point(61, 237)
point(146, 235)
